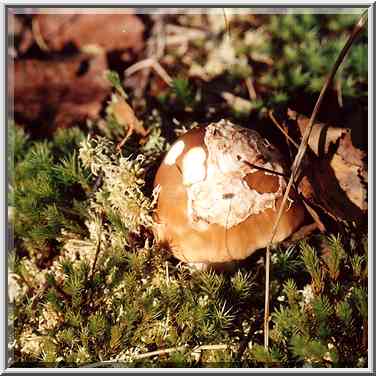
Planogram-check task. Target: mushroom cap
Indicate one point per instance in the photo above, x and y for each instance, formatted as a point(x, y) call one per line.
point(214, 206)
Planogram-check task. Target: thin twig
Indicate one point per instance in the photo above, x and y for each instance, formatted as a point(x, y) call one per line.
point(264, 169)
point(339, 92)
point(266, 307)
point(147, 64)
point(157, 67)
point(180, 348)
point(160, 352)
point(274, 120)
point(251, 89)
point(299, 157)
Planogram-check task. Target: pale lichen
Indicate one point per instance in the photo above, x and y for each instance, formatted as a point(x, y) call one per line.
point(123, 180)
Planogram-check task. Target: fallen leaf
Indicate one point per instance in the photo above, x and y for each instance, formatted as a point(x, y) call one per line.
point(117, 31)
point(126, 117)
point(54, 94)
point(335, 186)
point(335, 174)
point(322, 135)
point(352, 179)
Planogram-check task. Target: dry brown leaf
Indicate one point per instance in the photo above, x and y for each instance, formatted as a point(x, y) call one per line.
point(322, 135)
point(62, 93)
point(352, 179)
point(108, 31)
point(335, 178)
point(126, 117)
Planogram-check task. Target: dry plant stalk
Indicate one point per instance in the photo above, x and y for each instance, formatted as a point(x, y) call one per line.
point(298, 159)
point(274, 120)
point(162, 352)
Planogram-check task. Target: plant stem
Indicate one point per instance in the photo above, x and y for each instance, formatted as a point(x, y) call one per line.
point(267, 297)
point(161, 352)
point(274, 120)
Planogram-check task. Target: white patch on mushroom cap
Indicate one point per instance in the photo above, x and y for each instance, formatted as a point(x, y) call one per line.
point(174, 153)
point(222, 196)
point(194, 169)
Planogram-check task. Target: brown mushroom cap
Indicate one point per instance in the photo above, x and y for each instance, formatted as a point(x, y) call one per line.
point(214, 206)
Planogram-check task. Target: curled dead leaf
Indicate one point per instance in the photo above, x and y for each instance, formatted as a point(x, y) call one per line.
point(352, 179)
point(126, 117)
point(322, 135)
point(335, 176)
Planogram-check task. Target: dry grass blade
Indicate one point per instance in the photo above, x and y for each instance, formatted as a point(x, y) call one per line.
point(38, 36)
point(226, 23)
point(275, 122)
point(251, 89)
point(266, 308)
point(161, 352)
point(298, 159)
point(149, 63)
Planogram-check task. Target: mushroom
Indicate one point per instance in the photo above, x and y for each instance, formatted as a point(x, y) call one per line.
point(220, 188)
